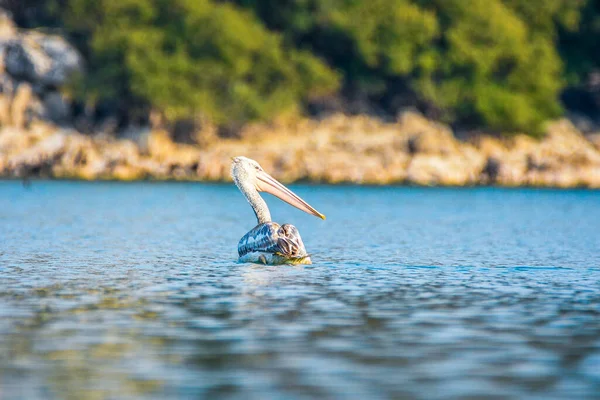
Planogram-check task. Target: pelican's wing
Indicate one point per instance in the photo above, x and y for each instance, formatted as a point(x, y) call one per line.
point(270, 237)
point(289, 241)
point(262, 238)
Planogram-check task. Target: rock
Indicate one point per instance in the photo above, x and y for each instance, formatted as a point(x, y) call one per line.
point(7, 26)
point(14, 141)
point(56, 107)
point(489, 146)
point(81, 159)
point(120, 152)
point(582, 122)
point(426, 136)
point(352, 149)
point(564, 144)
point(594, 138)
point(558, 159)
point(47, 60)
point(510, 170)
point(20, 104)
point(125, 172)
point(7, 90)
point(7, 85)
point(5, 102)
point(8, 31)
point(160, 146)
point(435, 169)
point(211, 167)
point(140, 136)
point(151, 168)
point(39, 158)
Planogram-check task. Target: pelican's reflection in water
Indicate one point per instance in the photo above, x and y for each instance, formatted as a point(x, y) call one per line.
point(256, 275)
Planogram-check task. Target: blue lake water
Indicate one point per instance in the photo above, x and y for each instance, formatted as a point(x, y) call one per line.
point(114, 290)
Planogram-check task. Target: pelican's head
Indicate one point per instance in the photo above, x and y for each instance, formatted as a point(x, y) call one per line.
point(248, 174)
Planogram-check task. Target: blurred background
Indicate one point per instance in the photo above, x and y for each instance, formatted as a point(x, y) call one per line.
point(129, 291)
point(178, 80)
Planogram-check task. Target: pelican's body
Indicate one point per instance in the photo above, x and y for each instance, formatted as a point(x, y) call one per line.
point(271, 243)
point(268, 242)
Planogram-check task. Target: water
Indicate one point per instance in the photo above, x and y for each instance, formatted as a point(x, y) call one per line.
point(112, 290)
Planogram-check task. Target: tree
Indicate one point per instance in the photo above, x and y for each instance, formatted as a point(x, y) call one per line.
point(187, 57)
point(491, 69)
point(495, 64)
point(478, 62)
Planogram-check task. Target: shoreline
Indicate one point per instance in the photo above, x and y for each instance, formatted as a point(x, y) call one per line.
point(352, 150)
point(32, 180)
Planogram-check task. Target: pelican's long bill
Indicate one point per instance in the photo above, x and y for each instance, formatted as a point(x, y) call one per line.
point(266, 183)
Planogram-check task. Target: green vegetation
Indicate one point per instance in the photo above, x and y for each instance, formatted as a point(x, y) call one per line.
point(496, 64)
point(185, 57)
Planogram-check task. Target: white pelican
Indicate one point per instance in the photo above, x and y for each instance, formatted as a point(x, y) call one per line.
point(268, 242)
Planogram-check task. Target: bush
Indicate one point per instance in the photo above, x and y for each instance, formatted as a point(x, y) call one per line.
point(187, 57)
point(496, 64)
point(476, 61)
point(491, 69)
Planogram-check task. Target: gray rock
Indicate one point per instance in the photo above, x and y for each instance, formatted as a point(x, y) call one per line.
point(42, 59)
point(595, 139)
point(36, 111)
point(7, 26)
point(56, 107)
point(8, 32)
point(7, 85)
point(40, 157)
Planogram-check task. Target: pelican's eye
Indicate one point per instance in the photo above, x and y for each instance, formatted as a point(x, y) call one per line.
point(257, 167)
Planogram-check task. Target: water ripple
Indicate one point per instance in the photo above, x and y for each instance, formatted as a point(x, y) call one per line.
point(133, 291)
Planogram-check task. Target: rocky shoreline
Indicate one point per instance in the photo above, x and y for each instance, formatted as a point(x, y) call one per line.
point(38, 138)
point(338, 149)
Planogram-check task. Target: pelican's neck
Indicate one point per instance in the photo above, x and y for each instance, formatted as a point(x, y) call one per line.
point(259, 205)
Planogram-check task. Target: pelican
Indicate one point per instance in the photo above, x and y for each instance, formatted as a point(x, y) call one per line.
point(268, 242)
